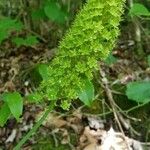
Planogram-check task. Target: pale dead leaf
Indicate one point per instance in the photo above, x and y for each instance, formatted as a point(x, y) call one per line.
point(12, 136)
point(96, 122)
point(66, 137)
point(91, 136)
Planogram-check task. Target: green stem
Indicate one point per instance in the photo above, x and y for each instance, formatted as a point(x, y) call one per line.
point(35, 127)
point(136, 107)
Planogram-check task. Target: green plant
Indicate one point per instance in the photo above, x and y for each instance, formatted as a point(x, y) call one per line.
point(8, 25)
point(12, 105)
point(47, 11)
point(54, 13)
point(110, 59)
point(138, 13)
point(28, 41)
point(37, 125)
point(139, 91)
point(50, 10)
point(12, 102)
point(139, 10)
point(90, 39)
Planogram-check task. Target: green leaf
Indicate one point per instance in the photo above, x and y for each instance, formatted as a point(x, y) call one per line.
point(14, 102)
point(7, 25)
point(86, 94)
point(31, 40)
point(38, 14)
point(139, 10)
point(139, 91)
point(110, 59)
point(4, 114)
point(54, 13)
point(28, 41)
point(43, 71)
point(18, 41)
point(3, 35)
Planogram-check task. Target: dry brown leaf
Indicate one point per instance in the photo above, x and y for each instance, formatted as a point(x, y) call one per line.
point(92, 146)
point(107, 140)
point(66, 137)
point(52, 120)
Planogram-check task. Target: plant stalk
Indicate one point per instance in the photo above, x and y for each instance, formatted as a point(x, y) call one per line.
point(35, 127)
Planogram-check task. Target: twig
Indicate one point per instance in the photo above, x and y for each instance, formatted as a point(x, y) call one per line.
point(117, 115)
point(136, 107)
point(110, 97)
point(55, 139)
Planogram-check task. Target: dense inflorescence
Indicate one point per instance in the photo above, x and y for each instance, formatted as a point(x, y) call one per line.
point(90, 39)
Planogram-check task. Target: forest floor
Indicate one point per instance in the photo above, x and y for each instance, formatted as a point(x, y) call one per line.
point(79, 127)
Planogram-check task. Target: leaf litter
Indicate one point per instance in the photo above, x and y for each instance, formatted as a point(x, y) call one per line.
point(92, 136)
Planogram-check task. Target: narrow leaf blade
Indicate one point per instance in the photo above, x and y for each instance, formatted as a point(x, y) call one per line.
point(43, 71)
point(86, 94)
